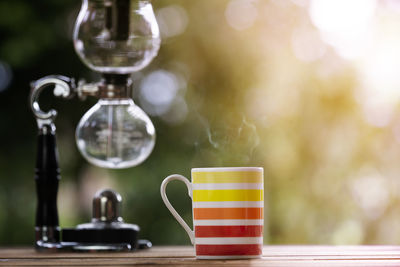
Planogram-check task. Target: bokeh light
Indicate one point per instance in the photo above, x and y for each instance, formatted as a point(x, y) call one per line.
point(241, 14)
point(172, 20)
point(371, 192)
point(307, 45)
point(5, 75)
point(158, 90)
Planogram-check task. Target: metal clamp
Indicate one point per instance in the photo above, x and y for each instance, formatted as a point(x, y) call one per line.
point(63, 87)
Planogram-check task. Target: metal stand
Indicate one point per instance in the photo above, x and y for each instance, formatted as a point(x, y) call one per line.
point(107, 231)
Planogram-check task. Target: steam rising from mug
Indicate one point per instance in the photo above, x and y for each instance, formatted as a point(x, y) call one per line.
point(116, 38)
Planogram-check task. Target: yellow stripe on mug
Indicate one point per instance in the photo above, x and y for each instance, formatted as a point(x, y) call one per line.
point(254, 176)
point(228, 195)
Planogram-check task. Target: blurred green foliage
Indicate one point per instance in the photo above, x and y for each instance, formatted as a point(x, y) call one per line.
point(249, 101)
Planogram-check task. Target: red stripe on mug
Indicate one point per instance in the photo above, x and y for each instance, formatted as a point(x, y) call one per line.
point(227, 213)
point(222, 250)
point(229, 231)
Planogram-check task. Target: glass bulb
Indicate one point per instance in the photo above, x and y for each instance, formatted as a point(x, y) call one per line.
point(115, 133)
point(116, 36)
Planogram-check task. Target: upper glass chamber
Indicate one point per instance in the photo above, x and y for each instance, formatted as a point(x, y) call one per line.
point(116, 36)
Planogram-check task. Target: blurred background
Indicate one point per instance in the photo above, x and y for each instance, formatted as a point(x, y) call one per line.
point(307, 89)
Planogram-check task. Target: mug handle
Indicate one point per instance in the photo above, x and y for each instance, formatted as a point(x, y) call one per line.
point(169, 206)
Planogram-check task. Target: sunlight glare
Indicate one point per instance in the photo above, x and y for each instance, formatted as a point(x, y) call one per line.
point(344, 24)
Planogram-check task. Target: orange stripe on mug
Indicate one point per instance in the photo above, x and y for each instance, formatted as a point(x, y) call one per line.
point(228, 213)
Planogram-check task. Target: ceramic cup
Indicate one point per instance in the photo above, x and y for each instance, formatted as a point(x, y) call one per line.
point(228, 205)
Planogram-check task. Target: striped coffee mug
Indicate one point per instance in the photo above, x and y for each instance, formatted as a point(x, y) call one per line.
point(228, 206)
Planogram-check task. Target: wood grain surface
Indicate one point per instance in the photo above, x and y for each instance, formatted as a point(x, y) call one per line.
point(184, 256)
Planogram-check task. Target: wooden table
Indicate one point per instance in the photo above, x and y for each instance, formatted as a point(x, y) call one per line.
point(184, 256)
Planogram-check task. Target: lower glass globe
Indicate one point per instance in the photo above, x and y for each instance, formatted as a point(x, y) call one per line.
point(115, 134)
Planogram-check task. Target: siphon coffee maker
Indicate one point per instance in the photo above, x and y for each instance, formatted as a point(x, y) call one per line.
point(115, 38)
